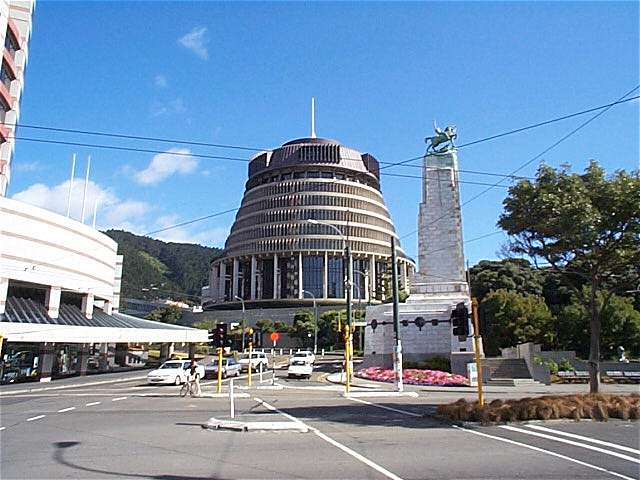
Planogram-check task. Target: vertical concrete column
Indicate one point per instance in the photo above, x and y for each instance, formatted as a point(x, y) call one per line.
point(107, 307)
point(47, 354)
point(254, 267)
point(234, 279)
point(325, 276)
point(4, 287)
point(372, 278)
point(405, 277)
point(214, 275)
point(170, 348)
point(222, 281)
point(276, 287)
point(52, 301)
point(87, 305)
point(300, 285)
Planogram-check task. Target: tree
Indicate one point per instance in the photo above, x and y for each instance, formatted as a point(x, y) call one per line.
point(206, 324)
point(265, 326)
point(303, 326)
point(620, 326)
point(588, 225)
point(169, 314)
point(513, 274)
point(515, 318)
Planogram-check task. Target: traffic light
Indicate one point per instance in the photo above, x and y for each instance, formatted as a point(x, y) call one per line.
point(374, 325)
point(218, 337)
point(460, 320)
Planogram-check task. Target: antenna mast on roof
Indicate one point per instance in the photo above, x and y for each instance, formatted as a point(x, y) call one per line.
point(313, 117)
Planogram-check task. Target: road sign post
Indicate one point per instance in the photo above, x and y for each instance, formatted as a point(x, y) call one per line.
point(250, 352)
point(232, 399)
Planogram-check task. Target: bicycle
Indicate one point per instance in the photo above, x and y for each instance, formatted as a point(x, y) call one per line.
point(189, 387)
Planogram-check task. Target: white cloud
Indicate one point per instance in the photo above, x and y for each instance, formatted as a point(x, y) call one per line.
point(174, 107)
point(196, 41)
point(163, 165)
point(160, 81)
point(112, 212)
point(214, 237)
point(27, 166)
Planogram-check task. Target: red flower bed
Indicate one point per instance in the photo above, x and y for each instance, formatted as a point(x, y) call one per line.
point(413, 376)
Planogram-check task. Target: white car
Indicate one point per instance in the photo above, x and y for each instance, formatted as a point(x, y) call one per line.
point(305, 355)
point(173, 372)
point(300, 368)
point(257, 359)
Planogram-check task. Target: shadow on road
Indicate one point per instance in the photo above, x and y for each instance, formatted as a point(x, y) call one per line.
point(59, 457)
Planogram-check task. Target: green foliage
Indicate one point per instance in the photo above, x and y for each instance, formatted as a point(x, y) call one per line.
point(565, 365)
point(265, 326)
point(169, 314)
point(515, 319)
point(620, 326)
point(303, 326)
point(206, 324)
point(553, 367)
point(514, 275)
point(181, 268)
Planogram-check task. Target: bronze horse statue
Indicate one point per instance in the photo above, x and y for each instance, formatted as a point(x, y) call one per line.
point(448, 135)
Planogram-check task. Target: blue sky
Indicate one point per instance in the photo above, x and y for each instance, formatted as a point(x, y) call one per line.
point(244, 73)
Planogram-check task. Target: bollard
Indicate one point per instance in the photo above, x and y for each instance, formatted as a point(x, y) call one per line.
point(260, 372)
point(231, 399)
point(323, 353)
point(280, 352)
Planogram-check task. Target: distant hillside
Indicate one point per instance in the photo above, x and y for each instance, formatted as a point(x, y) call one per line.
point(181, 267)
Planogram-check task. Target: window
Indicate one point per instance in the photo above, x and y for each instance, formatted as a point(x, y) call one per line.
point(5, 76)
point(335, 279)
point(11, 44)
point(313, 274)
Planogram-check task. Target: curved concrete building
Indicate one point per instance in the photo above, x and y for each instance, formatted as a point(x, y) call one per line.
point(275, 257)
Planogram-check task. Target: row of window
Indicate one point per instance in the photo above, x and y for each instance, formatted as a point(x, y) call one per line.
point(272, 177)
point(307, 186)
point(11, 43)
point(303, 214)
point(6, 77)
point(312, 200)
point(296, 244)
point(304, 228)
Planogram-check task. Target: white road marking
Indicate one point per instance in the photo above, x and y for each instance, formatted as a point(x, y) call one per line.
point(66, 409)
point(587, 439)
point(81, 385)
point(38, 417)
point(333, 442)
point(91, 404)
point(2, 428)
point(548, 452)
point(570, 442)
point(118, 398)
point(406, 412)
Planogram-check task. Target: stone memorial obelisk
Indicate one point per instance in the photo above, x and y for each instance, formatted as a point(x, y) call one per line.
point(440, 283)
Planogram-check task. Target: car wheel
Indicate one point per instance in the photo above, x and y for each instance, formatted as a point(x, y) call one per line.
point(178, 381)
point(237, 373)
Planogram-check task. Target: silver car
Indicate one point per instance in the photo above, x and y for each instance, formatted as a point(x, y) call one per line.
point(230, 368)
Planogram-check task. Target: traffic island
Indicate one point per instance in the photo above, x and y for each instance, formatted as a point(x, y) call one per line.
point(237, 426)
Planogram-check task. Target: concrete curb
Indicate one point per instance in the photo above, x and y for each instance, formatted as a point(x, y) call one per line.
point(215, 424)
point(379, 394)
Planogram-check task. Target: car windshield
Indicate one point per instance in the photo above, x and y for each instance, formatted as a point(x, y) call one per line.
point(171, 365)
point(302, 354)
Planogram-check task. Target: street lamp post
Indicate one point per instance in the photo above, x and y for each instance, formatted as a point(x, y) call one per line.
point(315, 326)
point(364, 274)
point(243, 319)
point(349, 282)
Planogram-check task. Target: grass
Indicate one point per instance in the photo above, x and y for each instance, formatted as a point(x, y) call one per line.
point(598, 407)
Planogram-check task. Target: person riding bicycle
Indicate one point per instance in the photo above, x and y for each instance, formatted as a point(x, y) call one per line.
point(194, 378)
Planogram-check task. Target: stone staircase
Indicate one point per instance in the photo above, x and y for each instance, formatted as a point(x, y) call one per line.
point(508, 372)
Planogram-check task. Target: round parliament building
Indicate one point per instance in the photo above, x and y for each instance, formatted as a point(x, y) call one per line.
point(303, 202)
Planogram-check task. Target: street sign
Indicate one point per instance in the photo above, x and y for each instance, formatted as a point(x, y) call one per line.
point(472, 374)
point(274, 337)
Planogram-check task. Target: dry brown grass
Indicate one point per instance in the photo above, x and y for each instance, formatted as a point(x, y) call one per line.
point(598, 407)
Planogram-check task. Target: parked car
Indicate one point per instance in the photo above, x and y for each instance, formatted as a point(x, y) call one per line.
point(230, 368)
point(300, 368)
point(303, 355)
point(257, 359)
point(173, 372)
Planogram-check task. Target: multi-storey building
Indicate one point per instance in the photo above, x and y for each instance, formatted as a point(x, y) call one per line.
point(15, 30)
point(276, 256)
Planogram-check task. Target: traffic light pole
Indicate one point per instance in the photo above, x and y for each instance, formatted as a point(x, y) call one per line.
point(476, 347)
point(250, 352)
point(347, 252)
point(396, 318)
point(219, 370)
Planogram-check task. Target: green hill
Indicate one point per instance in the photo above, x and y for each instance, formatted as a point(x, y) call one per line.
point(176, 270)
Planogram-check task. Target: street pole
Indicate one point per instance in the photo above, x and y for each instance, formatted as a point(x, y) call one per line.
point(347, 359)
point(250, 351)
point(243, 320)
point(396, 317)
point(347, 251)
point(476, 347)
point(315, 316)
point(219, 370)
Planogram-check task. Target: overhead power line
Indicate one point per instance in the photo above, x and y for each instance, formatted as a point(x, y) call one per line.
point(419, 177)
point(189, 222)
point(603, 108)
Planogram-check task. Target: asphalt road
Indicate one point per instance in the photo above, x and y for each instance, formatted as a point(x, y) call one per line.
point(127, 429)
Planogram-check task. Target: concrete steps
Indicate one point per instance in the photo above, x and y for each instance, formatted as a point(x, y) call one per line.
point(503, 369)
